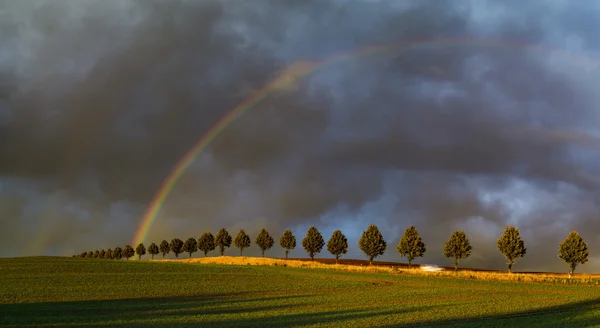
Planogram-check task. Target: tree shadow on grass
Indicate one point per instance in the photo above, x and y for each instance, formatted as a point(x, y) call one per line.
point(276, 311)
point(98, 311)
point(577, 314)
point(341, 318)
point(281, 311)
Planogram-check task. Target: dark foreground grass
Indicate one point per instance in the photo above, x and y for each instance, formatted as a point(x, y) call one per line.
point(69, 292)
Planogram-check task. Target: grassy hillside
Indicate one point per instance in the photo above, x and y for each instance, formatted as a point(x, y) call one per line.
point(61, 292)
point(397, 268)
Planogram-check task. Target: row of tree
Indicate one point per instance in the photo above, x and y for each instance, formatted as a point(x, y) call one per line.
point(573, 250)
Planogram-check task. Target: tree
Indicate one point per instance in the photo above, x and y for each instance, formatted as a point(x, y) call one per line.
point(153, 249)
point(109, 254)
point(288, 242)
point(264, 241)
point(241, 241)
point(206, 243)
point(511, 245)
point(140, 250)
point(573, 251)
point(190, 246)
point(96, 254)
point(371, 243)
point(223, 240)
point(101, 254)
point(457, 247)
point(117, 253)
point(313, 242)
point(411, 245)
point(337, 244)
point(83, 255)
point(90, 254)
point(165, 248)
point(128, 252)
point(176, 246)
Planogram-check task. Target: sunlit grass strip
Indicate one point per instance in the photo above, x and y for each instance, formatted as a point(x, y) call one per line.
point(462, 274)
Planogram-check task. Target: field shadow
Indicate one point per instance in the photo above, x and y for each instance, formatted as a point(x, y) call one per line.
point(181, 312)
point(275, 311)
point(568, 315)
point(103, 312)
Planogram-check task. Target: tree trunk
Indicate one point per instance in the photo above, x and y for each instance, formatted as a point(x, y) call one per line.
point(153, 256)
point(222, 250)
point(262, 251)
point(241, 251)
point(409, 263)
point(139, 258)
point(205, 253)
point(370, 260)
point(455, 264)
point(176, 255)
point(336, 259)
point(510, 267)
point(190, 254)
point(286, 253)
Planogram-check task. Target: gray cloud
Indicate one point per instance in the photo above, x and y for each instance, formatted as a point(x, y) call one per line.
point(100, 99)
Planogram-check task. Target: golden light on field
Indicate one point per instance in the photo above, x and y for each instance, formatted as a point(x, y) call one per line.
point(463, 274)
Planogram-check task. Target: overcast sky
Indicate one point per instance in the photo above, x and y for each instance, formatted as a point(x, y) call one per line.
point(99, 99)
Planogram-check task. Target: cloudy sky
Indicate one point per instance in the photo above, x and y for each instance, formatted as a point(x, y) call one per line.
point(496, 125)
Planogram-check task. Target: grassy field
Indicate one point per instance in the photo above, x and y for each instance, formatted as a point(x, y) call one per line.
point(398, 268)
point(61, 292)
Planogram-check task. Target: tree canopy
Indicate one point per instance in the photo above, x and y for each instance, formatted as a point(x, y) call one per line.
point(128, 252)
point(511, 245)
point(117, 253)
point(287, 242)
point(140, 250)
point(573, 251)
point(457, 247)
point(411, 245)
point(223, 240)
point(165, 248)
point(372, 243)
point(313, 242)
point(190, 246)
point(264, 241)
point(242, 240)
point(337, 244)
point(153, 250)
point(206, 243)
point(176, 246)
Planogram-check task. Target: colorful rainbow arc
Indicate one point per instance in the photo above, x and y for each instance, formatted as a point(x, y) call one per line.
point(289, 76)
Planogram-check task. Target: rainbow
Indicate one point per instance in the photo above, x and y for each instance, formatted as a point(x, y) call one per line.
point(289, 76)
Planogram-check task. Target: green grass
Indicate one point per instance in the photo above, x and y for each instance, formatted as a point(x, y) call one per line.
point(61, 292)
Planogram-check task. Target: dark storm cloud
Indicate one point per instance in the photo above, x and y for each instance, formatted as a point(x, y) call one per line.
point(100, 99)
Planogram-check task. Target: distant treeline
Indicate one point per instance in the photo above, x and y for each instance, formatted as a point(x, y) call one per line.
point(573, 250)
